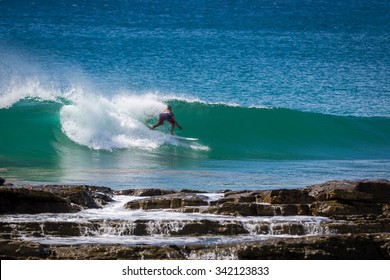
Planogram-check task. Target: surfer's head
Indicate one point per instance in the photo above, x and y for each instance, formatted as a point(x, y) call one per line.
point(169, 107)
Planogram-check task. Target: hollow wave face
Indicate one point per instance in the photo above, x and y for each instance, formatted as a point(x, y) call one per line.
point(284, 134)
point(224, 131)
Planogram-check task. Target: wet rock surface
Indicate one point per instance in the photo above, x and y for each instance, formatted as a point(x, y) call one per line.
point(338, 247)
point(356, 222)
point(169, 201)
point(51, 199)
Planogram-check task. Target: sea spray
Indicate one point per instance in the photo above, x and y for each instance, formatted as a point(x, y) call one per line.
point(98, 123)
point(118, 122)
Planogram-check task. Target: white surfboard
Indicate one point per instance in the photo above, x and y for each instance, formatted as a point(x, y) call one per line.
point(185, 138)
point(179, 137)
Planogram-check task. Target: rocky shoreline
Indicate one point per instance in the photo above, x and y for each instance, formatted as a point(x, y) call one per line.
point(354, 222)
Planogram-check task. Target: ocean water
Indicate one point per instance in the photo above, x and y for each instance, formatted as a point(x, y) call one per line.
point(280, 94)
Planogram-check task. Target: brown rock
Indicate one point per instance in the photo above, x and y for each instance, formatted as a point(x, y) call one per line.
point(170, 201)
point(290, 229)
point(16, 249)
point(380, 190)
point(386, 210)
point(40, 229)
point(359, 225)
point(52, 198)
point(344, 247)
point(29, 201)
point(286, 196)
point(237, 197)
point(265, 210)
point(115, 252)
point(233, 209)
point(366, 191)
point(293, 210)
point(144, 192)
point(207, 227)
point(155, 203)
point(84, 196)
point(333, 208)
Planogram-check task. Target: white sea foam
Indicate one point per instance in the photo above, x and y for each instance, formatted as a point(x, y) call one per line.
point(148, 240)
point(116, 211)
point(117, 122)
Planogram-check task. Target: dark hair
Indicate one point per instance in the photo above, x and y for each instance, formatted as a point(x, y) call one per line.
point(169, 106)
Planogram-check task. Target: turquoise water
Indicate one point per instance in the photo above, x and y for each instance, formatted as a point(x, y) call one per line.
point(279, 93)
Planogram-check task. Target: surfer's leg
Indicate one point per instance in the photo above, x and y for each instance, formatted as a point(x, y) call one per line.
point(160, 122)
point(172, 127)
point(154, 126)
point(173, 123)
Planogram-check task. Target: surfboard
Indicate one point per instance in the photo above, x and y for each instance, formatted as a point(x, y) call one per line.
point(178, 137)
point(185, 138)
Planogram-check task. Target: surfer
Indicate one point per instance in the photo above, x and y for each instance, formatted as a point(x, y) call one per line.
point(168, 116)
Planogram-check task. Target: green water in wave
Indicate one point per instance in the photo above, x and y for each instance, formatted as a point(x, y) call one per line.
point(32, 135)
point(283, 134)
point(29, 133)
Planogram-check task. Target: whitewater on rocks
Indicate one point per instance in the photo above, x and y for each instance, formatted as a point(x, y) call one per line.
point(333, 220)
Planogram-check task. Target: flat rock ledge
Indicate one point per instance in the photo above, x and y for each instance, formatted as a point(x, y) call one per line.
point(51, 198)
point(334, 199)
point(358, 214)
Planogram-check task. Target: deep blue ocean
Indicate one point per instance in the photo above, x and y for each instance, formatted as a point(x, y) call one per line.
point(279, 94)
